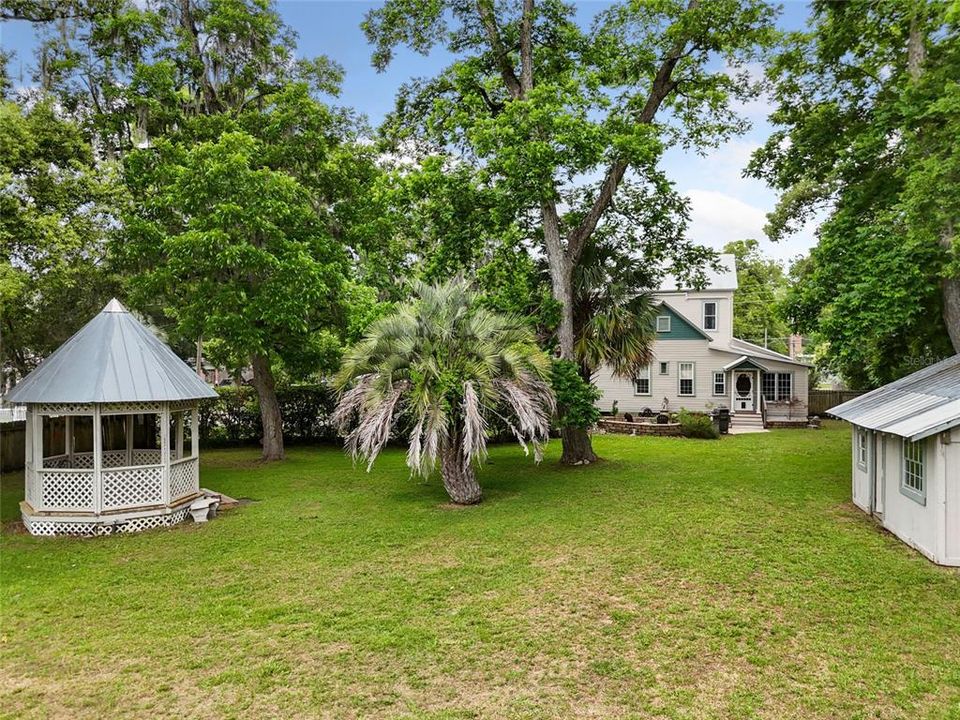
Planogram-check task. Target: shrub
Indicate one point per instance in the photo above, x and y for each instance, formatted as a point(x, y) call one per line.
point(233, 418)
point(697, 425)
point(576, 399)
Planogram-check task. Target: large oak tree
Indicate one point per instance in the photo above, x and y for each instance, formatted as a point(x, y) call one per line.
point(559, 115)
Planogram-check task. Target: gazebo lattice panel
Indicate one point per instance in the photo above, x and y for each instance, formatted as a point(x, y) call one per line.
point(62, 409)
point(184, 479)
point(146, 457)
point(49, 528)
point(130, 487)
point(130, 407)
point(66, 490)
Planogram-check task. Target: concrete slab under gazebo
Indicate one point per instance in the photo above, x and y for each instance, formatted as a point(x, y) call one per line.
point(112, 433)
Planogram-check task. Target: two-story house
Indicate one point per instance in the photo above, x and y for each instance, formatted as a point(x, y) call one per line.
point(699, 365)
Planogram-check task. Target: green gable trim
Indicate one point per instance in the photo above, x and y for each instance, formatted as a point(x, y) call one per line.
point(680, 327)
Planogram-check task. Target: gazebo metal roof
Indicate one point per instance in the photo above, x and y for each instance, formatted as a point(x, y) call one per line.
point(112, 359)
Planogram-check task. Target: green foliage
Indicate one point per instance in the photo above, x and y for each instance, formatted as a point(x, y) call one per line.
point(613, 321)
point(57, 212)
point(234, 417)
point(235, 249)
point(761, 292)
point(697, 425)
point(867, 109)
point(576, 398)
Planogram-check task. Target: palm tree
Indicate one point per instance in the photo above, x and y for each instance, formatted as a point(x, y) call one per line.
point(613, 324)
point(446, 367)
point(613, 318)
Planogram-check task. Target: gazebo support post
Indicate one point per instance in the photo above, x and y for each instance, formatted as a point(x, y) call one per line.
point(179, 452)
point(128, 434)
point(195, 433)
point(68, 438)
point(97, 461)
point(165, 451)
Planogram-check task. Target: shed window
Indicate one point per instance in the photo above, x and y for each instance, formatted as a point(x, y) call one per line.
point(663, 323)
point(641, 383)
point(687, 385)
point(719, 383)
point(862, 449)
point(777, 386)
point(710, 315)
point(913, 482)
point(664, 368)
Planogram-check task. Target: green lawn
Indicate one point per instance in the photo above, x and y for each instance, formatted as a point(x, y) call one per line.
point(677, 579)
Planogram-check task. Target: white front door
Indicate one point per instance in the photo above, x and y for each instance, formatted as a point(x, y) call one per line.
point(743, 391)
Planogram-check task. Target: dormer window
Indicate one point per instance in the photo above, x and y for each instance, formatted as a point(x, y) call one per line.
point(710, 315)
point(663, 323)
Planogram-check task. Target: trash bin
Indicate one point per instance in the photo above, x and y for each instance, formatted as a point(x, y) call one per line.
point(721, 420)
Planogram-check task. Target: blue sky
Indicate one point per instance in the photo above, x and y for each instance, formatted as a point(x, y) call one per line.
point(724, 205)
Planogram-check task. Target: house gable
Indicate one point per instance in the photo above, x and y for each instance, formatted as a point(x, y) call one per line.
point(680, 327)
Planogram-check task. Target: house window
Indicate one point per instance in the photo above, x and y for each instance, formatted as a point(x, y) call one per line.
point(862, 449)
point(641, 383)
point(663, 323)
point(776, 386)
point(720, 383)
point(687, 386)
point(664, 368)
point(710, 316)
point(913, 484)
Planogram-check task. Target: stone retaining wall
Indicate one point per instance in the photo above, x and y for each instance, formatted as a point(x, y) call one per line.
point(781, 424)
point(622, 427)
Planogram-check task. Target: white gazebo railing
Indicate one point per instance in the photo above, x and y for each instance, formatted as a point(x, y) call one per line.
point(59, 488)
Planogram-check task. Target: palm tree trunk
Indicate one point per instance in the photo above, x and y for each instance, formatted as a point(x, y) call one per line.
point(459, 478)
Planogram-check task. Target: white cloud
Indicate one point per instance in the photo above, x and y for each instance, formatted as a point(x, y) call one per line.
point(716, 218)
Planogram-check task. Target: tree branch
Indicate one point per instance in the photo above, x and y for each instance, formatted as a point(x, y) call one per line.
point(526, 47)
point(485, 10)
point(663, 85)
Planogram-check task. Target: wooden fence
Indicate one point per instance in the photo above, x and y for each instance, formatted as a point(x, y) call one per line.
point(820, 401)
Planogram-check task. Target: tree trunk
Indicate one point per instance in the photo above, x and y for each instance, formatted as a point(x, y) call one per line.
point(459, 478)
point(950, 287)
point(269, 408)
point(577, 448)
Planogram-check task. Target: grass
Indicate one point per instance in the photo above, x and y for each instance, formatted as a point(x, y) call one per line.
point(677, 579)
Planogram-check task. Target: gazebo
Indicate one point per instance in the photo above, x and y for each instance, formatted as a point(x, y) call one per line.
point(112, 433)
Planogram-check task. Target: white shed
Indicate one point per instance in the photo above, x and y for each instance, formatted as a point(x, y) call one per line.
point(906, 458)
point(112, 441)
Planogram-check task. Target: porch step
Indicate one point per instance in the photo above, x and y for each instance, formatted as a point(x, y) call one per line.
point(747, 420)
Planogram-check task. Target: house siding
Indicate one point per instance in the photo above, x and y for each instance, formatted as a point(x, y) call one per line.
point(706, 362)
point(680, 327)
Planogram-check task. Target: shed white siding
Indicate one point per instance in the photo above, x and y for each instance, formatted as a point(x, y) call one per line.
point(931, 527)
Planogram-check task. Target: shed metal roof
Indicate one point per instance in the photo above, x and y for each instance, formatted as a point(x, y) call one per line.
point(914, 407)
point(113, 358)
